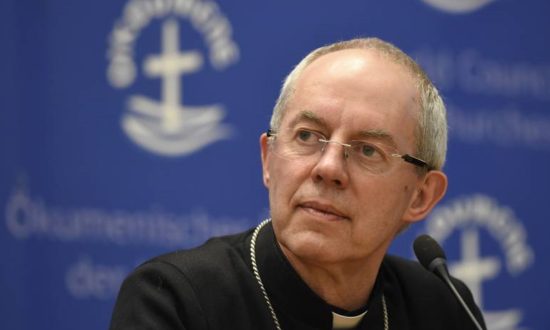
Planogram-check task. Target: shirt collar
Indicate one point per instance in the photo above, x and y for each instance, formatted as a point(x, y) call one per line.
point(289, 294)
point(346, 322)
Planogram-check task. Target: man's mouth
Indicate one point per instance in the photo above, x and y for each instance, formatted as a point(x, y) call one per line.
point(324, 210)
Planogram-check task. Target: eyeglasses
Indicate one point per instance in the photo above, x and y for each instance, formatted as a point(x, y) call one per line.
point(304, 144)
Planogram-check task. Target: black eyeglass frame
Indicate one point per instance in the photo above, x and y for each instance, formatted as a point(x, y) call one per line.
point(406, 157)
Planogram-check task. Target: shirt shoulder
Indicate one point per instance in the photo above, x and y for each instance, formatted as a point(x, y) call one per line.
point(424, 298)
point(217, 252)
point(186, 289)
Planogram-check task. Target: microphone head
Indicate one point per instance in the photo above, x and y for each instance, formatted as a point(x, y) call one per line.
point(427, 250)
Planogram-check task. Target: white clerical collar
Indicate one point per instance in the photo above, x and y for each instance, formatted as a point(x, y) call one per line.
point(346, 322)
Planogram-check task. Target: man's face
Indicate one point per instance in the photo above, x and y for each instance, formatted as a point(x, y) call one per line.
point(325, 209)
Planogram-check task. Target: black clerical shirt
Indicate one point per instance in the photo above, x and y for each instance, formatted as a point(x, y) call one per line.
point(213, 287)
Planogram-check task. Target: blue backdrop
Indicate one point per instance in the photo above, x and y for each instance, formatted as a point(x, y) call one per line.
point(129, 128)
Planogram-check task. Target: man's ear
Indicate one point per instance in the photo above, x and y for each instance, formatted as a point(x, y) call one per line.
point(264, 145)
point(430, 191)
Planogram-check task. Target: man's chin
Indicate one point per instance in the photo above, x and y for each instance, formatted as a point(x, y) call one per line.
point(312, 246)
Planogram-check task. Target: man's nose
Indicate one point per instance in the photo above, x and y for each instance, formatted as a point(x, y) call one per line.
point(331, 167)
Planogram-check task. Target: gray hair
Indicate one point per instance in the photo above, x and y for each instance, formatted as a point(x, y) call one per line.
point(431, 129)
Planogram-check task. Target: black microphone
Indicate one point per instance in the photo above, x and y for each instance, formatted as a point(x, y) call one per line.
point(430, 255)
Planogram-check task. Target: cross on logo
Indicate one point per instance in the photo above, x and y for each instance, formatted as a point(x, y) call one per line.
point(167, 126)
point(473, 269)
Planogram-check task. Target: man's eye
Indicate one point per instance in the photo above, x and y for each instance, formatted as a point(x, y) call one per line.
point(368, 150)
point(305, 135)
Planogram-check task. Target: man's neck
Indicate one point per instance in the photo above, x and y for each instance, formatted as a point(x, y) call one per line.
point(345, 285)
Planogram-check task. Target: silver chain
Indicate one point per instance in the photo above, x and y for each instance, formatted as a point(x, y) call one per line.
point(257, 273)
point(264, 292)
point(385, 308)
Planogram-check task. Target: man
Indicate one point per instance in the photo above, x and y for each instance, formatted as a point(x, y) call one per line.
point(354, 155)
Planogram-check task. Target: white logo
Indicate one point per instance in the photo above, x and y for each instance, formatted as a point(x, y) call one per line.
point(167, 126)
point(458, 6)
point(469, 215)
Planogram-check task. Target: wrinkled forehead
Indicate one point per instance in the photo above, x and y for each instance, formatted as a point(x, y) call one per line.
point(368, 70)
point(358, 89)
point(371, 61)
point(359, 56)
point(359, 73)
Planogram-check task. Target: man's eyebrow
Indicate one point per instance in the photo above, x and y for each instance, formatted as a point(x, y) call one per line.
point(378, 134)
point(308, 116)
